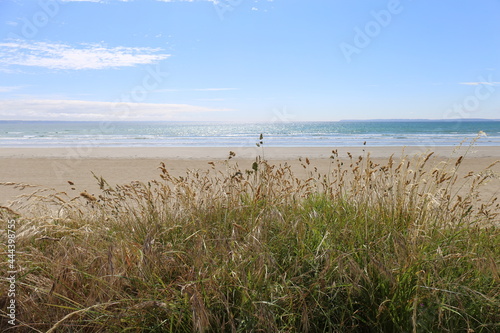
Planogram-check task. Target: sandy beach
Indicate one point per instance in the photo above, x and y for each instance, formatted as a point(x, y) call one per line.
point(54, 167)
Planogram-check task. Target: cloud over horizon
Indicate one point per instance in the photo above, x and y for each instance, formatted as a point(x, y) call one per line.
point(60, 56)
point(44, 109)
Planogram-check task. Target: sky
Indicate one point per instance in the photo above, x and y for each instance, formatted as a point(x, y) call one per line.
point(249, 60)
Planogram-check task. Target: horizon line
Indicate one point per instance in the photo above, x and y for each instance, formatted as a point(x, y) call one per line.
point(264, 121)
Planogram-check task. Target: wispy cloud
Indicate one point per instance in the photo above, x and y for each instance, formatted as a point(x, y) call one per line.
point(195, 89)
point(84, 0)
point(6, 89)
point(215, 89)
point(214, 1)
point(480, 83)
point(106, 1)
point(96, 1)
point(42, 109)
point(83, 56)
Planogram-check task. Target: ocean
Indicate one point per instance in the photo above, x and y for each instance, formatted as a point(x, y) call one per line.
point(225, 134)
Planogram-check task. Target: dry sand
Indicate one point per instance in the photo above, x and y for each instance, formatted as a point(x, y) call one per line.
point(54, 167)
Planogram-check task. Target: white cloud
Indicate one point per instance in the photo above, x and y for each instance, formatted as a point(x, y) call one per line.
point(480, 83)
point(215, 89)
point(104, 1)
point(98, 1)
point(197, 89)
point(82, 1)
point(6, 89)
point(43, 109)
point(214, 1)
point(85, 56)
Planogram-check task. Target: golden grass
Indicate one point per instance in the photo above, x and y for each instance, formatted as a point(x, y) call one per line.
point(403, 246)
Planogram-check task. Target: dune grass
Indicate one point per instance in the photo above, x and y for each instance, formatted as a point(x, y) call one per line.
point(399, 247)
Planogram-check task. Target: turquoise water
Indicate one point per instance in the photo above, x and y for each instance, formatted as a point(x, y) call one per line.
point(219, 134)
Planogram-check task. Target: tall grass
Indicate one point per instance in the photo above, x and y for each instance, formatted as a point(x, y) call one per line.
point(400, 247)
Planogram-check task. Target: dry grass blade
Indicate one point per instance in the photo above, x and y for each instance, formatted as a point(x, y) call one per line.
point(74, 313)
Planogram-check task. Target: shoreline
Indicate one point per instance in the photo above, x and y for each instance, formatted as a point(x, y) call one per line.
point(271, 153)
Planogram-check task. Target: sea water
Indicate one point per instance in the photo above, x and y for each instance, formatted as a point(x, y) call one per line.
point(226, 134)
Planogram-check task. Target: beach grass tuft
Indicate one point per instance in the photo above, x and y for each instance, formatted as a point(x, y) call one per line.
point(406, 246)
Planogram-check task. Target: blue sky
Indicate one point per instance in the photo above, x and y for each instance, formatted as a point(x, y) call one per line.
point(249, 60)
